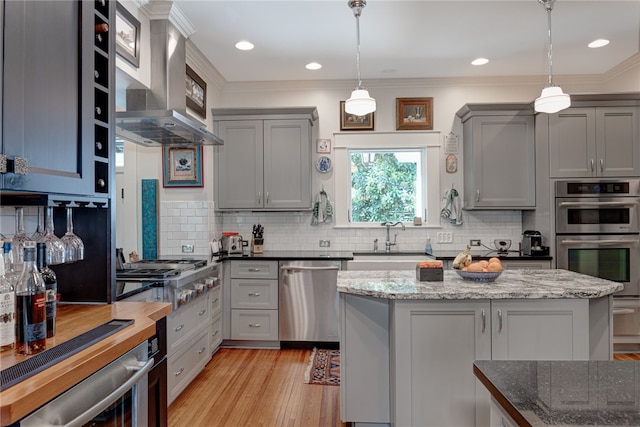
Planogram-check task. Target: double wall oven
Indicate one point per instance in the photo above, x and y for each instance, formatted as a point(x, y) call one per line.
point(598, 233)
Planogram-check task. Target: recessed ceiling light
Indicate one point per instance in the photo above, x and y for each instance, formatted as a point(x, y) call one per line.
point(313, 66)
point(480, 61)
point(598, 43)
point(244, 45)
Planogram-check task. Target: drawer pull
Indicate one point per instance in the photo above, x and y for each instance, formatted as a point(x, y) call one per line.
point(202, 312)
point(215, 334)
point(254, 294)
point(254, 325)
point(254, 270)
point(179, 328)
point(201, 350)
point(214, 301)
point(181, 370)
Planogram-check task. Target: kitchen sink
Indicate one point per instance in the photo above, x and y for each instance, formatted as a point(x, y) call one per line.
point(386, 260)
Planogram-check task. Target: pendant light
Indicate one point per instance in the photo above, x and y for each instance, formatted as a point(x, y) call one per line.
point(552, 98)
point(360, 103)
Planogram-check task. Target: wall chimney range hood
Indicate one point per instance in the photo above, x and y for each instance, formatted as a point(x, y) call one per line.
point(158, 116)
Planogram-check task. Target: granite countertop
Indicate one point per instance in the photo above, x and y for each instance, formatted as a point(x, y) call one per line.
point(564, 393)
point(510, 285)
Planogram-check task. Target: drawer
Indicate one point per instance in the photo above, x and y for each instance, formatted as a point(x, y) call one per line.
point(254, 269)
point(185, 365)
point(215, 333)
point(186, 322)
point(254, 325)
point(254, 294)
point(215, 300)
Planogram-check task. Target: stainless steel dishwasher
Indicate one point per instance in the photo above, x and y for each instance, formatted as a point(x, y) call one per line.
point(308, 300)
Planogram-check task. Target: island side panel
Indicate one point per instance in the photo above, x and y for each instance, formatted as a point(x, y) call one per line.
point(601, 328)
point(364, 354)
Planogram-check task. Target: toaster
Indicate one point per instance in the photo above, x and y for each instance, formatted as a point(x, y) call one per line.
point(232, 244)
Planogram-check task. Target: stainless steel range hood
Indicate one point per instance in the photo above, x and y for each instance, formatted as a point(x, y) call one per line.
point(158, 116)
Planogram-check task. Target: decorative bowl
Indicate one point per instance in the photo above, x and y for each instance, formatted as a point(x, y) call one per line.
point(488, 276)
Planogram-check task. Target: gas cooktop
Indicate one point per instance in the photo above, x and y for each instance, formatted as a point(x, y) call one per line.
point(147, 273)
point(181, 264)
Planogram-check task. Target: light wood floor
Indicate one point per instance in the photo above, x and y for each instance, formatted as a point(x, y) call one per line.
point(247, 387)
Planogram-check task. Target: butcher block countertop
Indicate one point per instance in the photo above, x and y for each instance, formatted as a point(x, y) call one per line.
point(75, 319)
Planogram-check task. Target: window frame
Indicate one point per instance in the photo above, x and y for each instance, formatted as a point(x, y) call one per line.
point(427, 141)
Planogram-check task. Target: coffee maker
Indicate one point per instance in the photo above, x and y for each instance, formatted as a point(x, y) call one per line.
point(532, 243)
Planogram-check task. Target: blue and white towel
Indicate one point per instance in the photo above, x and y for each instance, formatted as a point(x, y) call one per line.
point(453, 208)
point(322, 209)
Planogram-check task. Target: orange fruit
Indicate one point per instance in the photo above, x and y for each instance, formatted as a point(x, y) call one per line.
point(484, 263)
point(476, 267)
point(494, 266)
point(494, 259)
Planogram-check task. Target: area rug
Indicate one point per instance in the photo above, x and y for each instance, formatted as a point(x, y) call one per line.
point(324, 367)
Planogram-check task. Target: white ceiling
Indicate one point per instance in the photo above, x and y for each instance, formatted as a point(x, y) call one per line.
point(410, 39)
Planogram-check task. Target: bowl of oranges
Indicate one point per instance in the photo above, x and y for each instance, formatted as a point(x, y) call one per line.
point(482, 271)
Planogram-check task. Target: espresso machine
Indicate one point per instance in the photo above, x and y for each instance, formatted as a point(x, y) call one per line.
point(532, 243)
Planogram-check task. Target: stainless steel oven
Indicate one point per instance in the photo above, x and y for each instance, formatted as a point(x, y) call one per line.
point(116, 395)
point(598, 233)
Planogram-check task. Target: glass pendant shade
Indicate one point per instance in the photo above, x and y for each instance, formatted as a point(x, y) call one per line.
point(360, 103)
point(552, 100)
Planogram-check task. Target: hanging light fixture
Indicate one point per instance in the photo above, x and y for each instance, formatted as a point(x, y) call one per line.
point(552, 98)
point(360, 103)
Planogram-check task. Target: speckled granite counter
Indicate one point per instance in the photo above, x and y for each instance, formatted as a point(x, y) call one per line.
point(564, 393)
point(510, 285)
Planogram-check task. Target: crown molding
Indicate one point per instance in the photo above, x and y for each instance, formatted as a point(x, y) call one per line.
point(167, 9)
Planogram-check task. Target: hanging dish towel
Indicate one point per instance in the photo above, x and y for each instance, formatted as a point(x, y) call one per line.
point(322, 209)
point(453, 208)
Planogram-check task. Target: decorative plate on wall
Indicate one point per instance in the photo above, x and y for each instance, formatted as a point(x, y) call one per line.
point(323, 164)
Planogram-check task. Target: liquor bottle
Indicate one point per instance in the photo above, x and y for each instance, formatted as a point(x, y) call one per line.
point(31, 312)
point(51, 284)
point(7, 310)
point(9, 271)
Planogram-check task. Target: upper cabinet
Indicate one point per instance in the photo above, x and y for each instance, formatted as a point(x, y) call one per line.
point(57, 103)
point(265, 162)
point(595, 142)
point(499, 156)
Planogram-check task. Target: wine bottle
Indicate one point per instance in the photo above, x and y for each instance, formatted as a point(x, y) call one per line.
point(51, 285)
point(7, 310)
point(31, 313)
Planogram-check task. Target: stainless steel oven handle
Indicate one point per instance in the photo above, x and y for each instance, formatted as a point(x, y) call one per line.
point(333, 267)
point(563, 204)
point(623, 311)
point(600, 242)
point(89, 414)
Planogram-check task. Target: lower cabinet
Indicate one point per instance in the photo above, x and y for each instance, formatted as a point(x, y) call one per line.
point(254, 300)
point(410, 362)
point(435, 344)
point(186, 364)
point(215, 330)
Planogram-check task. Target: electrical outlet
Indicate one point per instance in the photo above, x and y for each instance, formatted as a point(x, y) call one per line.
point(325, 243)
point(444, 236)
point(187, 249)
point(475, 242)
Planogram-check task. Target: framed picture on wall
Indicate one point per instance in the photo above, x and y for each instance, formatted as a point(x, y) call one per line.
point(196, 90)
point(127, 36)
point(414, 113)
point(182, 166)
point(353, 122)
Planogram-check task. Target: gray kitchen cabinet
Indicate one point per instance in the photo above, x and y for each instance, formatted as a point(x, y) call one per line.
point(57, 86)
point(595, 142)
point(215, 307)
point(499, 156)
point(254, 300)
point(265, 162)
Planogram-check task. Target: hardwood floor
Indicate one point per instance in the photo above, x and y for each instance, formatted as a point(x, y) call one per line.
point(248, 387)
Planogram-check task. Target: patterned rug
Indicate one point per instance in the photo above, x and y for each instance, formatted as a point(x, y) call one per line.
point(324, 367)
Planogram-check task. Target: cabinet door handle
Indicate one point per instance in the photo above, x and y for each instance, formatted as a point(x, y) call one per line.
point(214, 301)
point(254, 294)
point(592, 166)
point(181, 370)
point(484, 320)
point(601, 165)
point(499, 320)
point(477, 195)
point(267, 198)
point(179, 328)
point(254, 325)
point(259, 197)
point(201, 350)
point(215, 333)
point(202, 312)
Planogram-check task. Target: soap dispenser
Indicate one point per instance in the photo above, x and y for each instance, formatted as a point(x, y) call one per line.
point(427, 246)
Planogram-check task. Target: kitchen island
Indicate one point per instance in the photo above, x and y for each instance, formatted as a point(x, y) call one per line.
point(73, 320)
point(408, 347)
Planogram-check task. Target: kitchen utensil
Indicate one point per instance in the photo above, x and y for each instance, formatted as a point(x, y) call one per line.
point(478, 276)
point(232, 244)
point(502, 245)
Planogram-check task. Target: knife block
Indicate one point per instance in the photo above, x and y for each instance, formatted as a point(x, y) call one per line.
point(256, 246)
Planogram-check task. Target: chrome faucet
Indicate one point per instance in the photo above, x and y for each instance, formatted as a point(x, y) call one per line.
point(387, 243)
